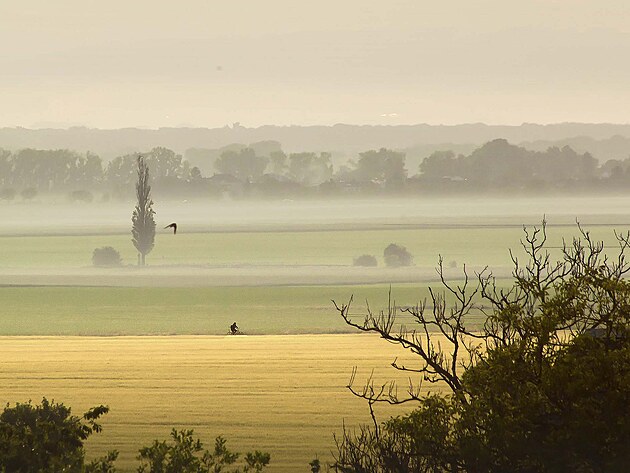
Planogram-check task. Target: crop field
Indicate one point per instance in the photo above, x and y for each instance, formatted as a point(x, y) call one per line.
point(282, 394)
point(151, 342)
point(473, 245)
point(191, 311)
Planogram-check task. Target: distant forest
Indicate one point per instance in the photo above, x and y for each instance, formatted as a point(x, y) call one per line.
point(264, 170)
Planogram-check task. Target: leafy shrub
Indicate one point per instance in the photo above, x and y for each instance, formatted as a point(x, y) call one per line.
point(106, 256)
point(365, 260)
point(396, 255)
point(47, 438)
point(186, 455)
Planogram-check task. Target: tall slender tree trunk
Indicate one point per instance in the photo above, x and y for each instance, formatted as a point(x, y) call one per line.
point(143, 223)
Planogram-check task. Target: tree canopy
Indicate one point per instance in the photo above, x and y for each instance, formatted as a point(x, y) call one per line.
point(142, 221)
point(47, 438)
point(543, 384)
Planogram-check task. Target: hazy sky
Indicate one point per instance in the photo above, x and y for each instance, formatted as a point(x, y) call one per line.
point(155, 63)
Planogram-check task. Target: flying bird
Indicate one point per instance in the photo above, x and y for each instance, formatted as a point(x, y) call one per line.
point(173, 226)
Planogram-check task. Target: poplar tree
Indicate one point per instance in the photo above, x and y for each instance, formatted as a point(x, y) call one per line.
point(143, 223)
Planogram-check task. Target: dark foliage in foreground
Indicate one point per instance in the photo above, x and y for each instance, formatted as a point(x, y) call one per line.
point(543, 386)
point(47, 438)
point(185, 454)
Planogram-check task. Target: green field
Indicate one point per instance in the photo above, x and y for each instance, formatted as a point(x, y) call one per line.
point(283, 394)
point(481, 245)
point(189, 311)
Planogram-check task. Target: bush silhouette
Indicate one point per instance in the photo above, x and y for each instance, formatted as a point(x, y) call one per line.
point(365, 260)
point(396, 255)
point(47, 438)
point(185, 454)
point(106, 256)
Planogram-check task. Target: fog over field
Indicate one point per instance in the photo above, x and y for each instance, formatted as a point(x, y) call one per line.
point(286, 242)
point(345, 236)
point(54, 216)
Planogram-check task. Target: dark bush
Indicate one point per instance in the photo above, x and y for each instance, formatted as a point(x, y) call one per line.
point(47, 438)
point(396, 255)
point(106, 256)
point(365, 260)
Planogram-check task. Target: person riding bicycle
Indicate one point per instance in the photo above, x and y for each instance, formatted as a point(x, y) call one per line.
point(234, 328)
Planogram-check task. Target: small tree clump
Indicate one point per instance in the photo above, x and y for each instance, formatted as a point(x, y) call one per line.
point(47, 438)
point(106, 256)
point(396, 255)
point(365, 260)
point(186, 455)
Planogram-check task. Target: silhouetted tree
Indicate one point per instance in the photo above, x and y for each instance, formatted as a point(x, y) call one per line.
point(499, 164)
point(365, 260)
point(310, 169)
point(106, 256)
point(384, 166)
point(245, 165)
point(6, 166)
point(47, 438)
point(55, 170)
point(396, 255)
point(277, 162)
point(541, 384)
point(441, 164)
point(143, 223)
point(265, 148)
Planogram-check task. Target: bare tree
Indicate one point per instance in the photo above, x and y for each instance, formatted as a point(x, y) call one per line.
point(546, 308)
point(143, 223)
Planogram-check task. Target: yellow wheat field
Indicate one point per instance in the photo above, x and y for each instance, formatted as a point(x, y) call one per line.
point(283, 394)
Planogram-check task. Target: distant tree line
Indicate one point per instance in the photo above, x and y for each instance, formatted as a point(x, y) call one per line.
point(264, 170)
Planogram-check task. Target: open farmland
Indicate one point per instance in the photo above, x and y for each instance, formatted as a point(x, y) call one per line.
point(188, 311)
point(271, 258)
point(283, 394)
point(87, 336)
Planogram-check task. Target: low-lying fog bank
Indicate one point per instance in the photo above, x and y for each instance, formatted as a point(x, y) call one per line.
point(185, 276)
point(211, 216)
